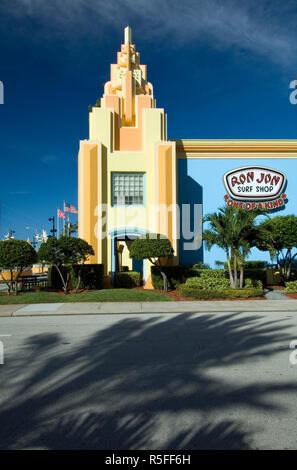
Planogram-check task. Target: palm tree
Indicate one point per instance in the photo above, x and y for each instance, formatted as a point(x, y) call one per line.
point(235, 231)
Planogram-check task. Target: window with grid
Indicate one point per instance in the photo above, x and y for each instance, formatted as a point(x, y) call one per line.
point(127, 189)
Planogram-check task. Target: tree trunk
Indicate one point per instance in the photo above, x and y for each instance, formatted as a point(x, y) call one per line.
point(241, 276)
point(235, 271)
point(164, 277)
point(78, 281)
point(242, 271)
point(63, 281)
point(165, 281)
point(17, 280)
point(230, 270)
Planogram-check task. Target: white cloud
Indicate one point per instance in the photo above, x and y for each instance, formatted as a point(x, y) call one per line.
point(265, 28)
point(46, 159)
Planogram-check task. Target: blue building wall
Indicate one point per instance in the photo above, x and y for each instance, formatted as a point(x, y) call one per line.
point(201, 181)
point(190, 192)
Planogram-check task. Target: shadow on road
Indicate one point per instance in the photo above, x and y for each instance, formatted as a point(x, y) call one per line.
point(139, 384)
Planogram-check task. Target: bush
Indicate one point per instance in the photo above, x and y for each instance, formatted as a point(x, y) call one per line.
point(216, 282)
point(291, 287)
point(252, 283)
point(54, 280)
point(256, 274)
point(203, 294)
point(127, 279)
point(251, 264)
point(175, 275)
point(211, 273)
point(91, 276)
point(201, 265)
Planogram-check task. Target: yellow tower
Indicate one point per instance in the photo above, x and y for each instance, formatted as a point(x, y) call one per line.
point(127, 168)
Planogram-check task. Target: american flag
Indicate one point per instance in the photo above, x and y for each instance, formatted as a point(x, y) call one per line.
point(69, 208)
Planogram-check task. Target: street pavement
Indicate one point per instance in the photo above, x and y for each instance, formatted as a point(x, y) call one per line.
point(154, 379)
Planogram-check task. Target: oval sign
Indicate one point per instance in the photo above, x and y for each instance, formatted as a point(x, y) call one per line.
point(254, 183)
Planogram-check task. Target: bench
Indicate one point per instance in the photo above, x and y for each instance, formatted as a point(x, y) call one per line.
point(29, 282)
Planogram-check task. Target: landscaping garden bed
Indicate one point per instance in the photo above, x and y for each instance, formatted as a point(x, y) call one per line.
point(103, 295)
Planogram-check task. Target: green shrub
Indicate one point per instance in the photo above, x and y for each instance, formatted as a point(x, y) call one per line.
point(91, 276)
point(251, 264)
point(175, 275)
point(201, 265)
point(252, 283)
point(54, 280)
point(291, 287)
point(211, 273)
point(203, 294)
point(256, 264)
point(256, 274)
point(216, 282)
point(127, 279)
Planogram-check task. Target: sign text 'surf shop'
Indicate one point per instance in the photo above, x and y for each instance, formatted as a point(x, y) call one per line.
point(255, 187)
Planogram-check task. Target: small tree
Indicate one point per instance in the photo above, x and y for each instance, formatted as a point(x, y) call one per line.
point(235, 231)
point(76, 251)
point(280, 240)
point(153, 247)
point(65, 251)
point(16, 255)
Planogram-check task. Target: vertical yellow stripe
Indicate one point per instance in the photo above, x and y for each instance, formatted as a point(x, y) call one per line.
point(165, 184)
point(90, 196)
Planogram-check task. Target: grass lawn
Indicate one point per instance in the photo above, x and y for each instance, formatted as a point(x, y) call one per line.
point(104, 295)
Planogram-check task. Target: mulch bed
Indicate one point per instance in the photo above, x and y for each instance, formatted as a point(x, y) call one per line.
point(276, 287)
point(293, 296)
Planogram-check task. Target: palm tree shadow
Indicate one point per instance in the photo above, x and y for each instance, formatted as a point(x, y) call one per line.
point(139, 383)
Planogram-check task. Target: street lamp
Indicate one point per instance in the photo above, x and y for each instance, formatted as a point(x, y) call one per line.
point(53, 230)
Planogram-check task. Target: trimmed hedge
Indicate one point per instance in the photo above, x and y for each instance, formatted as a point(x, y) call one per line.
point(54, 280)
point(257, 274)
point(217, 282)
point(127, 279)
point(202, 294)
point(211, 273)
point(252, 265)
point(91, 276)
point(209, 277)
point(291, 287)
point(175, 275)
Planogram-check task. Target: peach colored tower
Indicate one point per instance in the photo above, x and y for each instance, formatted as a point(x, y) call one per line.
point(126, 167)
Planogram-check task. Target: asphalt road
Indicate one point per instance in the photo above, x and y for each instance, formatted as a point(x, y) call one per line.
point(150, 381)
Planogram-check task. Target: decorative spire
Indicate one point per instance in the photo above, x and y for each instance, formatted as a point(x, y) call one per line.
point(128, 35)
point(127, 93)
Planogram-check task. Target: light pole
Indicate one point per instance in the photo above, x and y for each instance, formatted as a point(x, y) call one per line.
point(53, 230)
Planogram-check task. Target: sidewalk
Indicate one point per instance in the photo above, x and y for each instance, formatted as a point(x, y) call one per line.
point(102, 308)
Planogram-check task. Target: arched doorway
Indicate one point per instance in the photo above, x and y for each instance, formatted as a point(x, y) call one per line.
point(121, 238)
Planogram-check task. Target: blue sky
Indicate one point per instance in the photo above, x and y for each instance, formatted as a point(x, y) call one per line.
point(221, 69)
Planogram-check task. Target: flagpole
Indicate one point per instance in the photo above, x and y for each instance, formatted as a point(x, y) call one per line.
point(58, 233)
point(64, 218)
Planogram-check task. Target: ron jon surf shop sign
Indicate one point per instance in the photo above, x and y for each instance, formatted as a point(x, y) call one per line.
point(254, 187)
